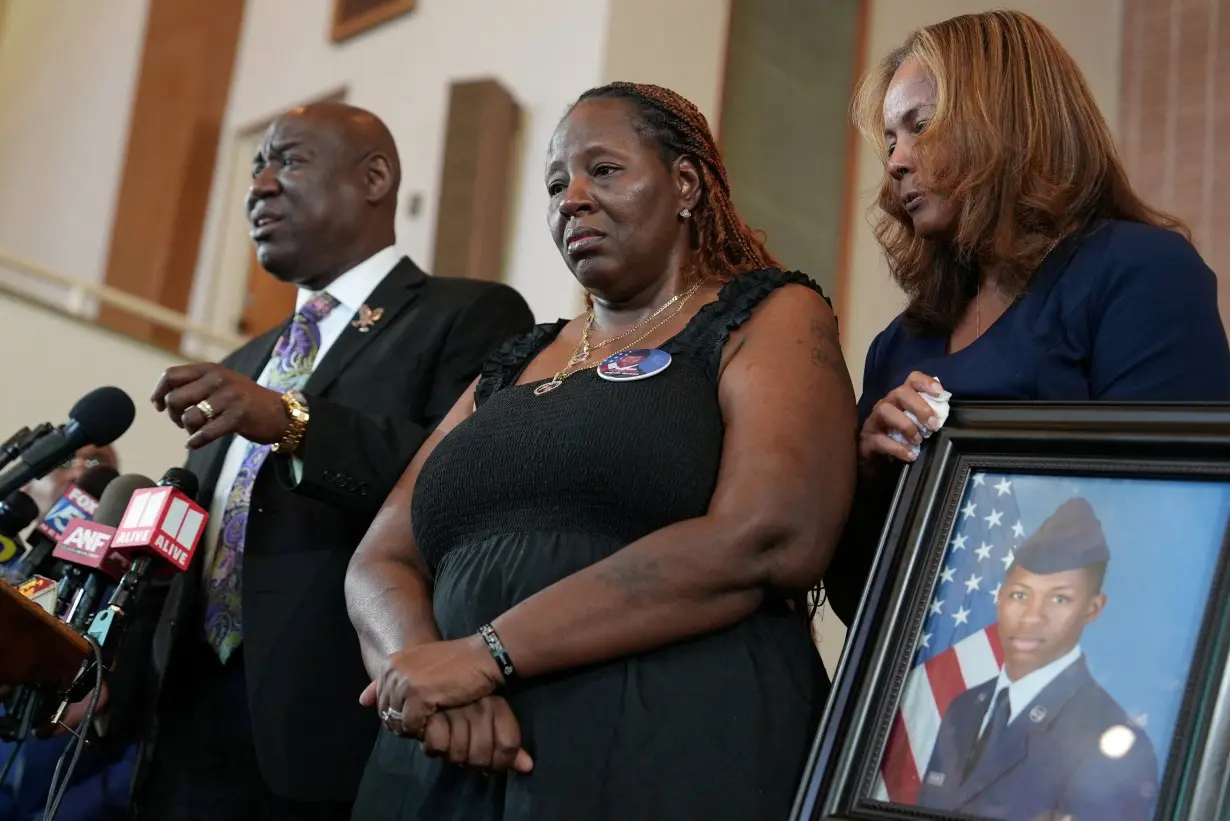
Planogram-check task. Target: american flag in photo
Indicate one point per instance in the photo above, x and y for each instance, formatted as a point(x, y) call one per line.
point(959, 647)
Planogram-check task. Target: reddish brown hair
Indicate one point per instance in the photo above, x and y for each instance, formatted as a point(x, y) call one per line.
point(725, 245)
point(1017, 143)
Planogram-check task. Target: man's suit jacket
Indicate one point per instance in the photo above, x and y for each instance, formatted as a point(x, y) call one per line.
point(1048, 764)
point(373, 399)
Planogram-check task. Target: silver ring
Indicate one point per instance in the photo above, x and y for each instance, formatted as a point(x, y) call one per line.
point(204, 407)
point(390, 714)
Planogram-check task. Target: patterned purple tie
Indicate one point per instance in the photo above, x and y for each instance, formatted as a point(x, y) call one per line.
point(289, 369)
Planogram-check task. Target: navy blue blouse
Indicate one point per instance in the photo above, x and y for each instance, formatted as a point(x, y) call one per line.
point(1128, 312)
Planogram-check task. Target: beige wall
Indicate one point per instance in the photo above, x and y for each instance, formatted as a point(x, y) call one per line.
point(646, 43)
point(1089, 29)
point(52, 360)
point(67, 77)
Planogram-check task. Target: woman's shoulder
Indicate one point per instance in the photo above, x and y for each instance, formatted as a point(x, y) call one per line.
point(745, 301)
point(1116, 246)
point(507, 361)
point(1119, 259)
point(748, 290)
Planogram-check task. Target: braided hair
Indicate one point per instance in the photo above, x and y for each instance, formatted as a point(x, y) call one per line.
point(725, 245)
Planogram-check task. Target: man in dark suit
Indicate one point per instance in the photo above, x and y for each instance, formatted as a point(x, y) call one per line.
point(1044, 740)
point(297, 438)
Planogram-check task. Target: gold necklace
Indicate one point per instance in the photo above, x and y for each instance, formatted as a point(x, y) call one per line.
point(638, 325)
point(581, 353)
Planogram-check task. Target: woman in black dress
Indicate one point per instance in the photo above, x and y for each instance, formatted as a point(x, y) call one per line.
point(632, 551)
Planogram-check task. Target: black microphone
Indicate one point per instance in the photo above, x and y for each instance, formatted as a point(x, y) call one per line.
point(79, 567)
point(99, 418)
point(21, 440)
point(16, 514)
point(79, 499)
point(183, 480)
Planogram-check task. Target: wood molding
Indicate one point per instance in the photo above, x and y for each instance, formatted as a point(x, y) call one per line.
point(351, 17)
point(849, 193)
point(475, 180)
point(182, 92)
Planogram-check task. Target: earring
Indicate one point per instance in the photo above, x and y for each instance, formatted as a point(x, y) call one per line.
point(685, 213)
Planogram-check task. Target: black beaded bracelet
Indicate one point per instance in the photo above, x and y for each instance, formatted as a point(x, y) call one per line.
point(498, 652)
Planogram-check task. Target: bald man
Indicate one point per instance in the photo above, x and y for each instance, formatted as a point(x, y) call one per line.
point(297, 438)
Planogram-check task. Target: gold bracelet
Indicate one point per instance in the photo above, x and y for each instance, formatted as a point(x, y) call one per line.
point(297, 410)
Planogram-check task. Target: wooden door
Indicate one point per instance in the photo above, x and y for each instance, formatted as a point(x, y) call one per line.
point(269, 301)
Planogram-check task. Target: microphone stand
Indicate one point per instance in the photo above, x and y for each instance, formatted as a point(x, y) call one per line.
point(107, 629)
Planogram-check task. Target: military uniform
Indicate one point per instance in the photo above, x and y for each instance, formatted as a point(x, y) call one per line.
point(1071, 753)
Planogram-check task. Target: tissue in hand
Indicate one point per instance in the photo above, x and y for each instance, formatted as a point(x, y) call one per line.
point(939, 404)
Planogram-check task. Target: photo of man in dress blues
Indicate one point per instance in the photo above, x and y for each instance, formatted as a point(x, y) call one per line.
point(1053, 659)
point(1043, 725)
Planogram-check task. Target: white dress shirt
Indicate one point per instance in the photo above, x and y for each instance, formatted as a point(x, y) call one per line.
point(1026, 689)
point(351, 290)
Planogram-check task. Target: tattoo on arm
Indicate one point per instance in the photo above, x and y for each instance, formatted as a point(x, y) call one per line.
point(634, 577)
point(827, 350)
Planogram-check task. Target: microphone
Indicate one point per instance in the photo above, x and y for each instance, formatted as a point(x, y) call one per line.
point(99, 418)
point(161, 524)
point(16, 514)
point(165, 520)
point(79, 501)
point(19, 441)
point(84, 549)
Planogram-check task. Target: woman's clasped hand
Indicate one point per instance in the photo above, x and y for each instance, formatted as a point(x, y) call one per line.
point(443, 694)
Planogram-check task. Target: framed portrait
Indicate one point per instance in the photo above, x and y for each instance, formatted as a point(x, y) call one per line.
point(1044, 636)
point(352, 17)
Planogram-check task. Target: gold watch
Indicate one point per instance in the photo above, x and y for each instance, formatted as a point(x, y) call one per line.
point(297, 410)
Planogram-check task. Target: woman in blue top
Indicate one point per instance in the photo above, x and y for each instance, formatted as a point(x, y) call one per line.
point(1032, 269)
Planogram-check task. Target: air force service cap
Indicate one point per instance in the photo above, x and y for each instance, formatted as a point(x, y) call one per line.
point(1070, 539)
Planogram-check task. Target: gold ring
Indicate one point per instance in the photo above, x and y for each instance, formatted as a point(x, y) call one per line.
point(204, 407)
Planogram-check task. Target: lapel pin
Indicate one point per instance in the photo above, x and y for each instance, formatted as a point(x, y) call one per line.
point(1037, 714)
point(367, 318)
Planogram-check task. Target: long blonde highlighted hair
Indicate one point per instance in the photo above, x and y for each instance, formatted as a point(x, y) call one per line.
point(1017, 143)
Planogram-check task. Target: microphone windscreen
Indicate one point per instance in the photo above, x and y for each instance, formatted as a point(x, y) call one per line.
point(114, 501)
point(95, 480)
point(183, 480)
point(19, 510)
point(103, 415)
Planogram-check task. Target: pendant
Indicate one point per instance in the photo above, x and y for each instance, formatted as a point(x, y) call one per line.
point(547, 387)
point(628, 366)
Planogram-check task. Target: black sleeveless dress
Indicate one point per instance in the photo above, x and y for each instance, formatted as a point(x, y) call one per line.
point(531, 489)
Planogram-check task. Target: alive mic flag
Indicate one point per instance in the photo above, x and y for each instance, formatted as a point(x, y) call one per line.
point(163, 520)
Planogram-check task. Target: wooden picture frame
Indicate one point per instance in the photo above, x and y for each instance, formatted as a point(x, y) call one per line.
point(1141, 470)
point(353, 17)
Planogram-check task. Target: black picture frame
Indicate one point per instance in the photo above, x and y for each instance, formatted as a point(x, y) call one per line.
point(1158, 441)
